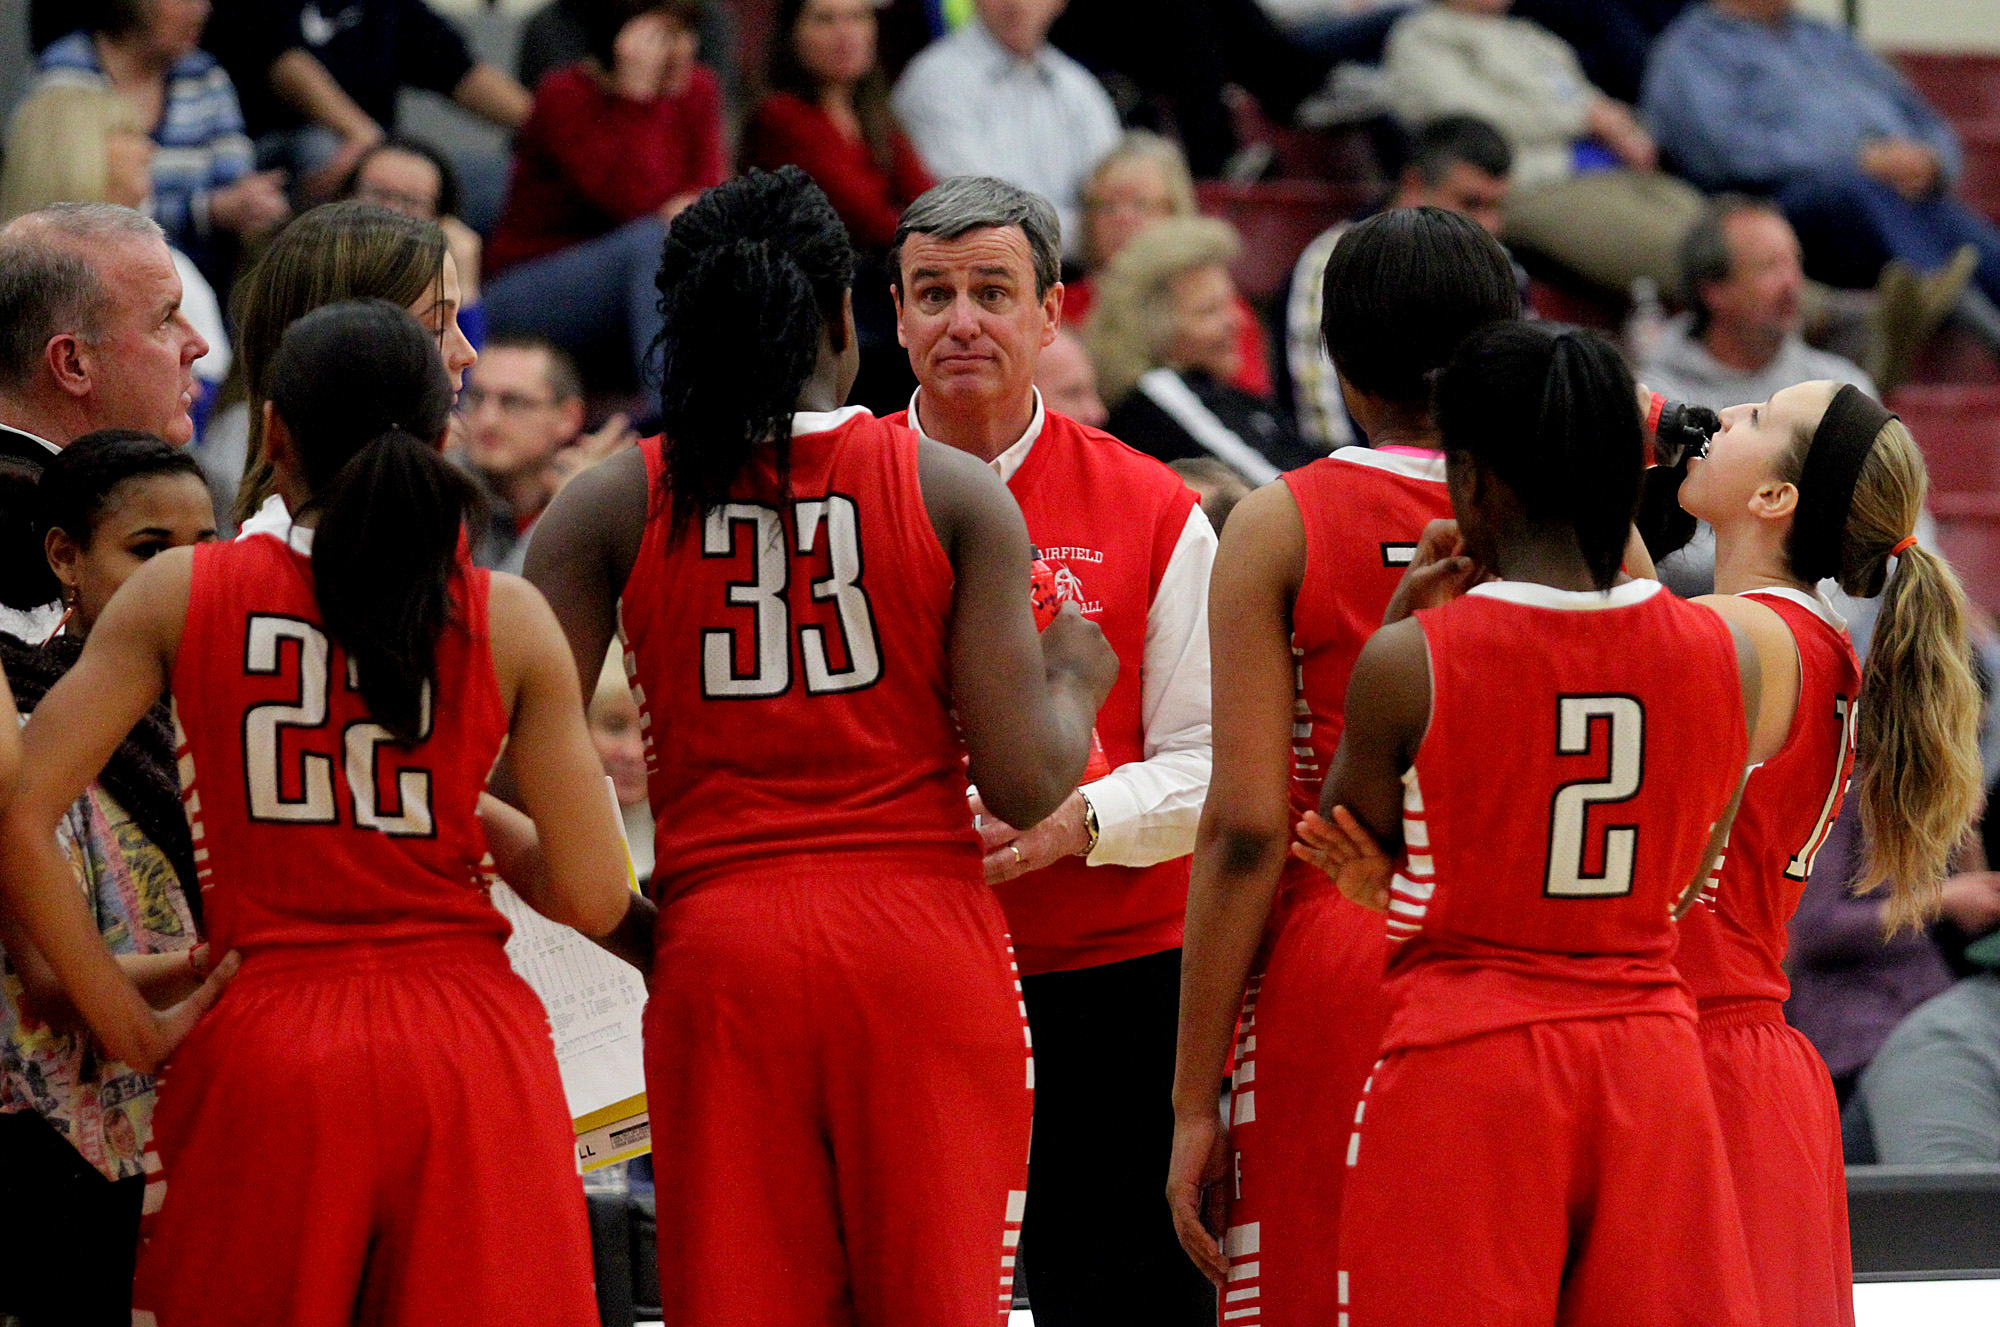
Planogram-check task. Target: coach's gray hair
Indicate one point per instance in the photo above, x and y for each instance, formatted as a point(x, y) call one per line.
point(47, 283)
point(1705, 255)
point(965, 203)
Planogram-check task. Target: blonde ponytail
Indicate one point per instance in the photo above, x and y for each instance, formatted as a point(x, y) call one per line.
point(1917, 753)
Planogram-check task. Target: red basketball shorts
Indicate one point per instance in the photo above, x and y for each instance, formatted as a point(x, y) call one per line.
point(1781, 1129)
point(841, 1089)
point(1311, 1027)
point(369, 1133)
point(1568, 1173)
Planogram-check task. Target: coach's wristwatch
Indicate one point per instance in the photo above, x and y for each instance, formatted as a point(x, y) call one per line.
point(1089, 826)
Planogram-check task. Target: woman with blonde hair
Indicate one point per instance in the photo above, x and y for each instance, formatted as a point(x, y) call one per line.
point(1142, 180)
point(1820, 482)
point(1166, 339)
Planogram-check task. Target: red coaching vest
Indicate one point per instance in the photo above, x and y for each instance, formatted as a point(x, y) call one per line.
point(1107, 519)
point(1733, 943)
point(789, 661)
point(1580, 748)
point(311, 826)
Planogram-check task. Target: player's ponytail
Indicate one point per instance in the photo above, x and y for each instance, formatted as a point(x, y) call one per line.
point(1917, 749)
point(1553, 413)
point(365, 397)
point(751, 273)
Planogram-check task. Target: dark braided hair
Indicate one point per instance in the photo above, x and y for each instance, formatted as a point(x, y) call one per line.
point(752, 272)
point(1552, 412)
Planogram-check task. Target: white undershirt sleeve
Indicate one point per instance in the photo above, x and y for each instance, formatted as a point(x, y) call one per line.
point(1147, 811)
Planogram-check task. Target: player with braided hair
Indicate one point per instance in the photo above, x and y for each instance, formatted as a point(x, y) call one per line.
point(837, 1072)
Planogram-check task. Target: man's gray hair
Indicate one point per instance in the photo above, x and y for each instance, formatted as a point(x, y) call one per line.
point(48, 285)
point(1705, 255)
point(965, 203)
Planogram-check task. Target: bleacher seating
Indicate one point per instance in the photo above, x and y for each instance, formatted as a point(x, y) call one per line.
point(1277, 219)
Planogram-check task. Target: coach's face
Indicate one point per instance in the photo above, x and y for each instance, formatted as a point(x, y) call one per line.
point(141, 369)
point(967, 312)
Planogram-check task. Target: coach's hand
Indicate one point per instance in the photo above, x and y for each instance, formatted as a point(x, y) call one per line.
point(1012, 852)
point(173, 1025)
point(1348, 854)
point(1439, 572)
point(1194, 1189)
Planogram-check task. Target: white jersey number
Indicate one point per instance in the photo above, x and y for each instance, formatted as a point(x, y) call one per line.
point(307, 797)
point(1585, 724)
point(1802, 861)
point(771, 628)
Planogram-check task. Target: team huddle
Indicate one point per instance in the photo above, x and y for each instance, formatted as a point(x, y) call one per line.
point(1480, 967)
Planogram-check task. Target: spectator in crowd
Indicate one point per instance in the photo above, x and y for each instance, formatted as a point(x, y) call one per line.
point(618, 143)
point(410, 176)
point(320, 83)
point(523, 430)
point(828, 113)
point(204, 189)
point(1611, 38)
point(1457, 162)
point(994, 98)
point(1094, 893)
point(1184, 52)
point(1933, 1091)
point(1165, 339)
point(1142, 180)
point(338, 251)
point(1850, 985)
point(1067, 380)
point(1750, 94)
point(75, 1123)
point(89, 145)
point(1586, 190)
point(1740, 282)
point(553, 36)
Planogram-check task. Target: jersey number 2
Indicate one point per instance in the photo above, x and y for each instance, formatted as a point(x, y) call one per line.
point(361, 743)
point(1580, 720)
point(771, 629)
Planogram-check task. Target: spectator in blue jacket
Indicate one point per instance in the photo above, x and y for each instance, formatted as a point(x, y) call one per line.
point(1747, 94)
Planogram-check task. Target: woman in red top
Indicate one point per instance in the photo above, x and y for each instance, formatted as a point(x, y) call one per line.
point(1819, 481)
point(815, 604)
point(617, 143)
point(370, 1125)
point(828, 113)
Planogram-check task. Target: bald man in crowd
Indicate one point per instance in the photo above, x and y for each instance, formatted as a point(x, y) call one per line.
point(91, 337)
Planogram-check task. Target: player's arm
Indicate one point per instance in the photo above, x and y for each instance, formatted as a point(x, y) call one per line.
point(1025, 703)
point(123, 670)
point(1773, 658)
point(1359, 826)
point(1752, 674)
point(1242, 840)
point(572, 867)
point(581, 554)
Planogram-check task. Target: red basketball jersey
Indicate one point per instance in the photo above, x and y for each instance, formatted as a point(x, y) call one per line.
point(1581, 747)
point(1363, 511)
point(1733, 942)
point(789, 661)
point(311, 825)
